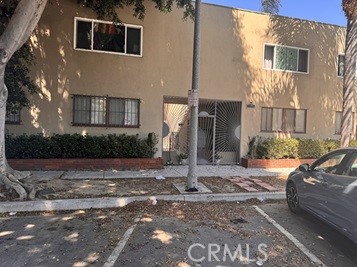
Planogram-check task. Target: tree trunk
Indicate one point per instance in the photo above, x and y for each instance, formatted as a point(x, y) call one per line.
point(17, 32)
point(349, 82)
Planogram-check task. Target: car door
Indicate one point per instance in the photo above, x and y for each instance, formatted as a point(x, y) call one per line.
point(336, 189)
point(345, 204)
point(319, 194)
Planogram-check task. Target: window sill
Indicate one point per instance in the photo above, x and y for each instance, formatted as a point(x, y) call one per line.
point(288, 71)
point(104, 126)
point(107, 52)
point(282, 132)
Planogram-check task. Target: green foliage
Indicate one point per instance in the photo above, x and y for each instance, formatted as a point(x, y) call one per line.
point(79, 146)
point(329, 145)
point(353, 143)
point(280, 148)
point(254, 146)
point(271, 6)
point(310, 149)
point(107, 9)
point(182, 156)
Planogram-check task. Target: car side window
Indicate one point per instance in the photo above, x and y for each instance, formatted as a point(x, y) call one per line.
point(352, 169)
point(331, 163)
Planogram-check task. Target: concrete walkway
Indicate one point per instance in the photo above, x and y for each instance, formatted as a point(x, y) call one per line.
point(168, 171)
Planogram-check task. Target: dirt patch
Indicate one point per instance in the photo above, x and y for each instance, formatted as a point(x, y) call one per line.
point(93, 188)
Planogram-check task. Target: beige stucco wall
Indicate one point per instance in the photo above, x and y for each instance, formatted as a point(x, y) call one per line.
point(231, 69)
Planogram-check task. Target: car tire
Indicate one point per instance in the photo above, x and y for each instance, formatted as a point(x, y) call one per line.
point(292, 198)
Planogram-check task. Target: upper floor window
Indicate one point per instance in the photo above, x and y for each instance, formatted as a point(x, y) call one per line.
point(105, 111)
point(13, 117)
point(341, 65)
point(104, 36)
point(283, 120)
point(338, 122)
point(278, 57)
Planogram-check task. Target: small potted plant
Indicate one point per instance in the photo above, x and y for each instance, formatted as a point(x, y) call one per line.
point(182, 158)
point(217, 157)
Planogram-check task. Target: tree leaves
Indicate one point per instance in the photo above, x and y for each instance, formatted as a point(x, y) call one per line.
point(271, 6)
point(108, 9)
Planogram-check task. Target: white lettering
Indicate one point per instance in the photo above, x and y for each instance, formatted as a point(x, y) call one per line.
point(190, 255)
point(213, 252)
point(263, 250)
point(227, 251)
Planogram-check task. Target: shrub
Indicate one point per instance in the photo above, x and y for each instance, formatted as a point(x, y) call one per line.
point(253, 145)
point(79, 146)
point(353, 143)
point(310, 149)
point(329, 145)
point(280, 148)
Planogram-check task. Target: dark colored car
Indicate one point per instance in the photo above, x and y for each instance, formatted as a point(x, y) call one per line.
point(328, 190)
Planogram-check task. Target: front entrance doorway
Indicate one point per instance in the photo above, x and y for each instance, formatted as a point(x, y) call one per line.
point(219, 128)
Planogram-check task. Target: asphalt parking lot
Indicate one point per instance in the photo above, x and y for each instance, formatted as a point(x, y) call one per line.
point(172, 234)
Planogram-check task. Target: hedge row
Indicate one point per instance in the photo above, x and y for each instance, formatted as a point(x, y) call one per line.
point(281, 148)
point(80, 146)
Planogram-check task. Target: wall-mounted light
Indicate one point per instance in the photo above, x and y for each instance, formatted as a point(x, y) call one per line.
point(250, 105)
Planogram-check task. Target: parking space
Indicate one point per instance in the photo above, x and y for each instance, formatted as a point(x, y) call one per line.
point(327, 244)
point(159, 241)
point(172, 234)
point(73, 239)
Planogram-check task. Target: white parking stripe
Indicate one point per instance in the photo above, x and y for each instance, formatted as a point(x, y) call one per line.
point(297, 243)
point(121, 244)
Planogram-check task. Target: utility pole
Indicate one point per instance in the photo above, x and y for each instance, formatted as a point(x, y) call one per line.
point(193, 102)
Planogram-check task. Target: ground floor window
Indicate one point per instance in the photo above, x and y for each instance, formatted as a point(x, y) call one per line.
point(338, 122)
point(105, 111)
point(283, 120)
point(13, 117)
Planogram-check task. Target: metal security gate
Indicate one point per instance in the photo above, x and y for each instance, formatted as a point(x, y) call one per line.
point(205, 138)
point(219, 127)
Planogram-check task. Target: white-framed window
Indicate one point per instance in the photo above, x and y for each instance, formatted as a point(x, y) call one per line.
point(278, 57)
point(341, 65)
point(283, 120)
point(105, 111)
point(107, 37)
point(13, 117)
point(338, 122)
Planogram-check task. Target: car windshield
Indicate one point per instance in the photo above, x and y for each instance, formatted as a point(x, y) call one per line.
point(330, 164)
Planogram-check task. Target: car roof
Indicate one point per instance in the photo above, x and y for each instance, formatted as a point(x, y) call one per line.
point(346, 148)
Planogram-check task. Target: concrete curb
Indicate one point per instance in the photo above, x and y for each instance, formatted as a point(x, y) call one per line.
point(116, 202)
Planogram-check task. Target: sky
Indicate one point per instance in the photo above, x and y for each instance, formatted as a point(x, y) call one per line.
point(328, 11)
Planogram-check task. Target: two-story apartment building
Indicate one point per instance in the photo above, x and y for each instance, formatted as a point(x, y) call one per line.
point(260, 75)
